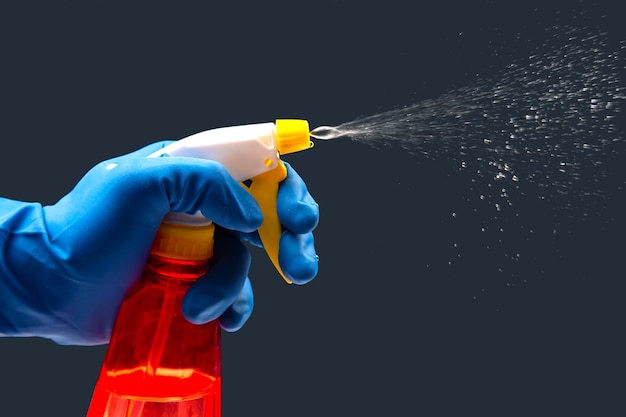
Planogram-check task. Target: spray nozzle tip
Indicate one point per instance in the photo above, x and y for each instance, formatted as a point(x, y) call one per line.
point(292, 135)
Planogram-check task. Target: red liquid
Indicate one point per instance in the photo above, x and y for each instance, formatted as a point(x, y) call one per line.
point(159, 364)
point(134, 394)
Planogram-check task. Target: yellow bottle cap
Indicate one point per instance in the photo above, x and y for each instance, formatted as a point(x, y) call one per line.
point(292, 135)
point(184, 242)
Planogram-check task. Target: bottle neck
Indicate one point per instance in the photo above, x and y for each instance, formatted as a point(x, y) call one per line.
point(182, 269)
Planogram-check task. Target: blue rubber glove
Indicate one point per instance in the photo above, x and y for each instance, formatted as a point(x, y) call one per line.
point(65, 268)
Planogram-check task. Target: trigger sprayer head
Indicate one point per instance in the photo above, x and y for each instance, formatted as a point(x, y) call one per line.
point(292, 135)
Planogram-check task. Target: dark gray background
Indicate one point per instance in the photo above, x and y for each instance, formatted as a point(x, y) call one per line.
point(387, 327)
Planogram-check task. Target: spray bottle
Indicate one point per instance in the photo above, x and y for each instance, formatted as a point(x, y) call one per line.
point(157, 362)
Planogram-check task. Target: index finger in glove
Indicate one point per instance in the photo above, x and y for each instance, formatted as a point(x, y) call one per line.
point(296, 208)
point(299, 214)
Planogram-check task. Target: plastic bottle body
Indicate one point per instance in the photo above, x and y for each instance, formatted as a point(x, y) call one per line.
point(158, 363)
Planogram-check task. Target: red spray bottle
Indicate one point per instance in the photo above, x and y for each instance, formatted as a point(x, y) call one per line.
point(157, 363)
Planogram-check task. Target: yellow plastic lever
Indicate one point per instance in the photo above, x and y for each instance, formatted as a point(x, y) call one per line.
point(264, 189)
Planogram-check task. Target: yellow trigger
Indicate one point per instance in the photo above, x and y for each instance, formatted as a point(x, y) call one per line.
point(264, 189)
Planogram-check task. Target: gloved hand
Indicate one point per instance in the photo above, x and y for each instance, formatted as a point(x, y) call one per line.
point(65, 268)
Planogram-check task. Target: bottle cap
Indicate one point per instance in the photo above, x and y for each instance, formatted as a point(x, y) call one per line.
point(292, 135)
point(186, 242)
